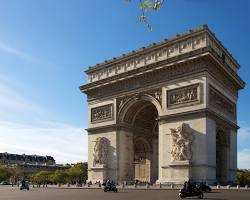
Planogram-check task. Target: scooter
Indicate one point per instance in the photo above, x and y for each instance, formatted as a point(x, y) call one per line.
point(195, 192)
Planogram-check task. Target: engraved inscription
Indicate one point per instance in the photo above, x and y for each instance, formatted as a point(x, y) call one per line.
point(102, 113)
point(183, 95)
point(221, 103)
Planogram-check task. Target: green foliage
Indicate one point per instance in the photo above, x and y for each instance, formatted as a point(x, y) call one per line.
point(59, 176)
point(6, 173)
point(243, 177)
point(41, 177)
point(78, 173)
point(146, 6)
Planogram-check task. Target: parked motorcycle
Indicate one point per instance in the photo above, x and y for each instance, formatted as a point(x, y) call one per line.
point(183, 193)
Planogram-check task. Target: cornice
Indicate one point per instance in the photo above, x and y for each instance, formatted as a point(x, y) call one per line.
point(185, 43)
point(190, 57)
point(154, 46)
point(196, 56)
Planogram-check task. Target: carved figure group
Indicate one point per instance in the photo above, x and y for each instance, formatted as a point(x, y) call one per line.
point(100, 151)
point(182, 143)
point(101, 113)
point(184, 96)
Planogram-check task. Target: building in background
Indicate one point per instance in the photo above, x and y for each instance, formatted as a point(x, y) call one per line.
point(30, 163)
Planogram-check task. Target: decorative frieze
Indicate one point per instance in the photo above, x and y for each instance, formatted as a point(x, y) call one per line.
point(146, 79)
point(163, 51)
point(102, 113)
point(221, 103)
point(150, 57)
point(187, 95)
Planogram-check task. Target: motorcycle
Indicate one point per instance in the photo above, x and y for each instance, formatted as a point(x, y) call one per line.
point(183, 193)
point(110, 188)
point(24, 185)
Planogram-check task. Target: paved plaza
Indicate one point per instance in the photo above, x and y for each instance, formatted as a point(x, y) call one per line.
point(8, 193)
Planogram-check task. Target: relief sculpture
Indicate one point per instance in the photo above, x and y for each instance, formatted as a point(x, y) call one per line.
point(102, 113)
point(100, 151)
point(183, 95)
point(182, 143)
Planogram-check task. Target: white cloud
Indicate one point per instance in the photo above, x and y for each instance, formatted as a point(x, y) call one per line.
point(13, 51)
point(65, 143)
point(26, 127)
point(244, 159)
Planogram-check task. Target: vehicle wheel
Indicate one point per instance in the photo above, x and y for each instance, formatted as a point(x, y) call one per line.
point(105, 190)
point(200, 196)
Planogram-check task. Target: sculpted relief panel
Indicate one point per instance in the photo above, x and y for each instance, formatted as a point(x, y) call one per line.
point(102, 113)
point(183, 96)
point(221, 103)
point(100, 151)
point(181, 143)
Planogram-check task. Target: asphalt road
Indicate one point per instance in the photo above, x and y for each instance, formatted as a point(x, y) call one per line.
point(8, 193)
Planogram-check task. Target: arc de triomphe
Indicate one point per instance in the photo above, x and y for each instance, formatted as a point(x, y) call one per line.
point(165, 113)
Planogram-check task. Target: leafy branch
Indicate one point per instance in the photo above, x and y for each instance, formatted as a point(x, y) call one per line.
point(146, 6)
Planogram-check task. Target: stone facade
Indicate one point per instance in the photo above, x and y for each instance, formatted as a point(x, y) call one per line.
point(165, 113)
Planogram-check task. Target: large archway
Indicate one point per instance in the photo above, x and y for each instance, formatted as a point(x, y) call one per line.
point(141, 116)
point(221, 156)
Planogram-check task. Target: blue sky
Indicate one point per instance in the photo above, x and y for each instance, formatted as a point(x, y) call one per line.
point(45, 46)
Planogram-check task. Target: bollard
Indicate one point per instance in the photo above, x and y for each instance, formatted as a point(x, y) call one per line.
point(135, 185)
point(68, 184)
point(147, 185)
point(172, 186)
point(238, 186)
point(228, 186)
point(218, 186)
point(160, 185)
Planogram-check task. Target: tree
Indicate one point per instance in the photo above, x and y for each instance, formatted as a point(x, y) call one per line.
point(146, 6)
point(243, 177)
point(6, 173)
point(42, 177)
point(78, 173)
point(59, 176)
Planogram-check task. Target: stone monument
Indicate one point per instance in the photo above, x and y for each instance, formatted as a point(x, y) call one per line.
point(165, 113)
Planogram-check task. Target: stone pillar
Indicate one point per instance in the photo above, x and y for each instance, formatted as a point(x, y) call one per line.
point(125, 155)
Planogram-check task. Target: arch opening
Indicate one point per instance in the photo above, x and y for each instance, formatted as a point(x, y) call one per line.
point(142, 120)
point(221, 156)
